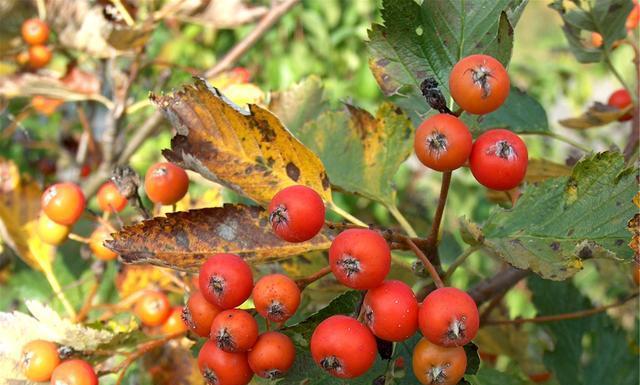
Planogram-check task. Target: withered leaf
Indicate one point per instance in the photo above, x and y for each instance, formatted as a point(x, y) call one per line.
point(597, 115)
point(183, 240)
point(251, 152)
point(173, 364)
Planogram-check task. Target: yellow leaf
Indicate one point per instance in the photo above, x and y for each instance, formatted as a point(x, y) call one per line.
point(250, 152)
point(19, 208)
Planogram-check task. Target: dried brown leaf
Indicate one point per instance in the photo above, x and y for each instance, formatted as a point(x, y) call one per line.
point(597, 115)
point(250, 152)
point(183, 240)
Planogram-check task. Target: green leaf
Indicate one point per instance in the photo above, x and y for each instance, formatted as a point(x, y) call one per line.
point(605, 359)
point(419, 41)
point(489, 376)
point(299, 103)
point(607, 17)
point(561, 222)
point(520, 113)
point(345, 303)
point(360, 152)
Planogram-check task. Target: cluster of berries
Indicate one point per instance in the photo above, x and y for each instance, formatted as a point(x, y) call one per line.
point(43, 361)
point(35, 32)
point(498, 158)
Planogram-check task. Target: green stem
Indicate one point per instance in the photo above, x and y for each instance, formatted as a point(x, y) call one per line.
point(346, 215)
point(459, 261)
point(402, 221)
point(607, 60)
point(57, 289)
point(564, 139)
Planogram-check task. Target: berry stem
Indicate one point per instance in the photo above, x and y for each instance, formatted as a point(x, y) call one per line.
point(442, 200)
point(346, 215)
point(427, 264)
point(564, 316)
point(88, 301)
point(78, 238)
point(306, 281)
point(402, 221)
point(459, 261)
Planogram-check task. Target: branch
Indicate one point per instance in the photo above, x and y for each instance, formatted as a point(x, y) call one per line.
point(306, 281)
point(564, 316)
point(497, 284)
point(442, 200)
point(243, 46)
point(427, 264)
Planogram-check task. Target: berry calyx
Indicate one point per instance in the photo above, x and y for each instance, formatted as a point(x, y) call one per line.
point(109, 198)
point(63, 203)
point(38, 360)
point(499, 159)
point(51, 232)
point(391, 311)
point(234, 331)
point(199, 314)
point(443, 142)
point(96, 244)
point(166, 183)
point(272, 356)
point(343, 347)
point(276, 297)
point(621, 99)
point(223, 368)
point(153, 308)
point(35, 31)
point(360, 258)
point(296, 213)
point(74, 372)
point(479, 84)
point(449, 317)
point(225, 280)
point(437, 365)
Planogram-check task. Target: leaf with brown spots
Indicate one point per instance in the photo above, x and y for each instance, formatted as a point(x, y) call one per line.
point(558, 224)
point(361, 152)
point(250, 152)
point(597, 115)
point(183, 240)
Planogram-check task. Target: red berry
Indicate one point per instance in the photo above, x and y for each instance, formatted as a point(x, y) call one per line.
point(174, 323)
point(223, 368)
point(35, 31)
point(234, 331)
point(96, 244)
point(74, 372)
point(479, 84)
point(634, 18)
point(296, 213)
point(443, 142)
point(226, 280)
point(39, 359)
point(63, 203)
point(449, 317)
point(343, 347)
point(360, 258)
point(391, 311)
point(272, 355)
point(109, 198)
point(153, 308)
point(39, 56)
point(433, 364)
point(499, 159)
point(199, 314)
point(621, 99)
point(276, 297)
point(166, 183)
